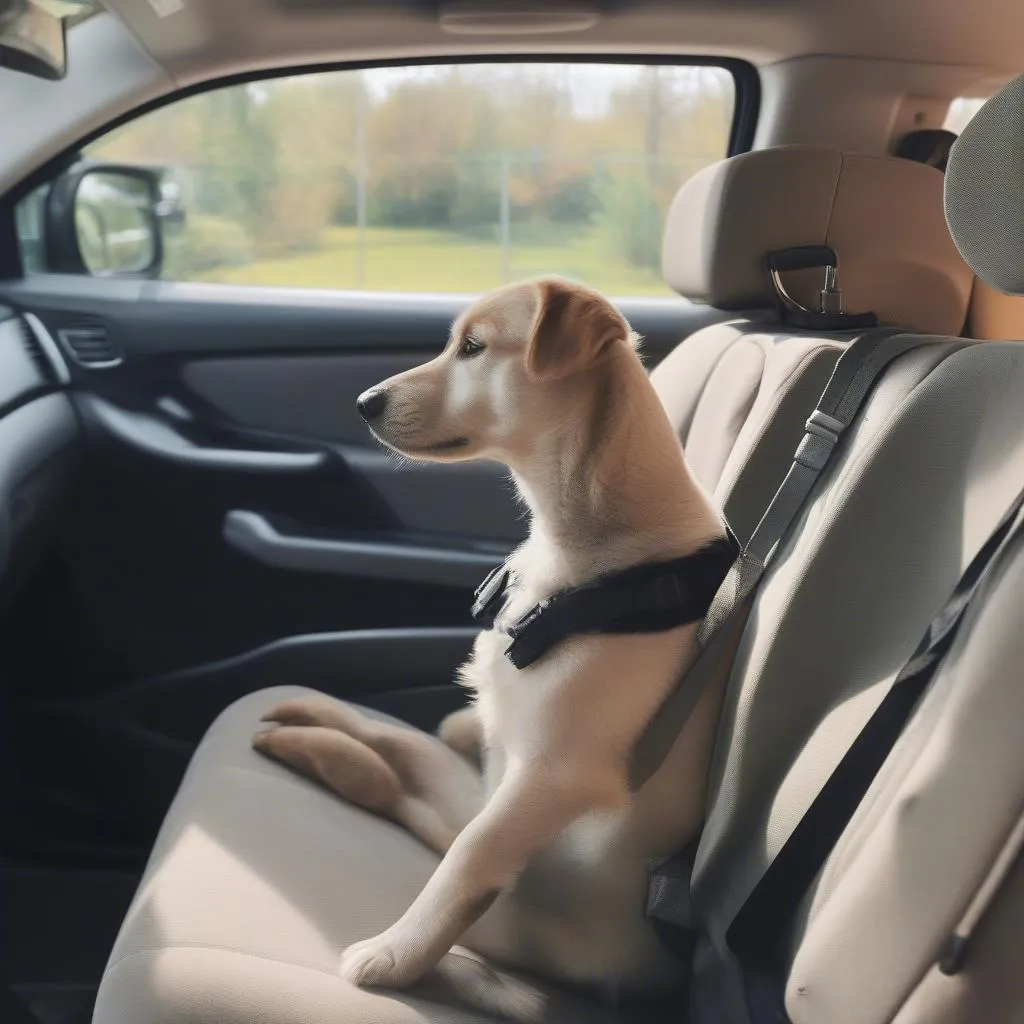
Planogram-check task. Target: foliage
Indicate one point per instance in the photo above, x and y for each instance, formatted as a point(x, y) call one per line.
point(202, 244)
point(631, 221)
point(521, 154)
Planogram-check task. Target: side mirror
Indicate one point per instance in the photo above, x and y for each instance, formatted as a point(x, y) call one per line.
point(171, 208)
point(103, 220)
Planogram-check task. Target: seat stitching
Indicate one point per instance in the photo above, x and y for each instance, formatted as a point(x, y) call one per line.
point(740, 334)
point(835, 195)
point(780, 394)
point(250, 954)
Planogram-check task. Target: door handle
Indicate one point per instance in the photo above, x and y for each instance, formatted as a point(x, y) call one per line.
point(157, 438)
point(254, 535)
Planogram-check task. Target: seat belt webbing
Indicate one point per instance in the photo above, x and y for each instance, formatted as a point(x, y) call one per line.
point(757, 932)
point(855, 372)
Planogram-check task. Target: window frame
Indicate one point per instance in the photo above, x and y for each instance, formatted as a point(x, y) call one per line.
point(746, 110)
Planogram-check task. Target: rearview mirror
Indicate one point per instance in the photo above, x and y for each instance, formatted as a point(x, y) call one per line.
point(102, 220)
point(32, 40)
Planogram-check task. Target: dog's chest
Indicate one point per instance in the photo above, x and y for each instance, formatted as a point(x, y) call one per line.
point(508, 698)
point(493, 676)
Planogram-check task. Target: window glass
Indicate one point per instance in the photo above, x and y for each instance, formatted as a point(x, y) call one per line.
point(441, 178)
point(961, 110)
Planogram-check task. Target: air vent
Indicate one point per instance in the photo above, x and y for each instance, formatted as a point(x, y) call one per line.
point(89, 345)
point(43, 351)
point(35, 352)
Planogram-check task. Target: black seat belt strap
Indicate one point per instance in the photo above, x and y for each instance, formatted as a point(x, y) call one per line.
point(848, 387)
point(757, 932)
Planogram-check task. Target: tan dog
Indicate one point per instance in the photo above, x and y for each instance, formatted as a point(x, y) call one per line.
point(543, 376)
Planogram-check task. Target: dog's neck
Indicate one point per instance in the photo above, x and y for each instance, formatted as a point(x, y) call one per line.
point(611, 487)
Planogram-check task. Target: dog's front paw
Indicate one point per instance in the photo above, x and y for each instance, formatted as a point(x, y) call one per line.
point(381, 961)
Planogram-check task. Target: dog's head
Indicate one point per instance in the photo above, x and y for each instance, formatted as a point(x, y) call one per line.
point(517, 363)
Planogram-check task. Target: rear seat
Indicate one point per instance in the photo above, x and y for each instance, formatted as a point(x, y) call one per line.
point(259, 879)
point(738, 392)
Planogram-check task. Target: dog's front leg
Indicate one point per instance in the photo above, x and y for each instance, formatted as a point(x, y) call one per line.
point(528, 809)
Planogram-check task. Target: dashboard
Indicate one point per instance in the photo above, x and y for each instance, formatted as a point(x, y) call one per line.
point(40, 447)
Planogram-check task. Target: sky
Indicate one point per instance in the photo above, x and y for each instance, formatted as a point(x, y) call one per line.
point(591, 85)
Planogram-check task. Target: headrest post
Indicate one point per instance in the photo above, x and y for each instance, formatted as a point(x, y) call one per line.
point(830, 315)
point(831, 299)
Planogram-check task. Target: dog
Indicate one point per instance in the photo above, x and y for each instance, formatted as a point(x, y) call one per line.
point(525, 793)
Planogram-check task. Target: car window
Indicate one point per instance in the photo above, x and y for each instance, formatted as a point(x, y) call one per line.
point(442, 178)
point(961, 110)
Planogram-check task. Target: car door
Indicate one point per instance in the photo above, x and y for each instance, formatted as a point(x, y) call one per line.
point(236, 525)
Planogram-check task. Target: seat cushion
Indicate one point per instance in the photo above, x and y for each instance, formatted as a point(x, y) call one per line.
point(257, 882)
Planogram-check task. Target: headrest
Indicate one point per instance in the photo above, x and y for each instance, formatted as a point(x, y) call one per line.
point(927, 146)
point(882, 216)
point(985, 190)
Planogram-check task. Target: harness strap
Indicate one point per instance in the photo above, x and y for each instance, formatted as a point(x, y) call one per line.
point(642, 599)
point(757, 932)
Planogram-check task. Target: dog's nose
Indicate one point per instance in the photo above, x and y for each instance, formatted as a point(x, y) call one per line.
point(371, 403)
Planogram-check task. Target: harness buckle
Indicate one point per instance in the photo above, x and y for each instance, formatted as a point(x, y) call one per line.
point(527, 620)
point(528, 644)
point(488, 596)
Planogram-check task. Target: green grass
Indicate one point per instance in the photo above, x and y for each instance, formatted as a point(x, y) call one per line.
point(417, 260)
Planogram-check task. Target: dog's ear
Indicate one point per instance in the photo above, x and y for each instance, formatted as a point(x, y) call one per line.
point(572, 328)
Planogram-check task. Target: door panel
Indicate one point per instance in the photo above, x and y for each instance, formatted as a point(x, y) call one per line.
point(287, 366)
point(311, 396)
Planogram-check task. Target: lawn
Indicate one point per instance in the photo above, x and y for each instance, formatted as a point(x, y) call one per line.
point(414, 260)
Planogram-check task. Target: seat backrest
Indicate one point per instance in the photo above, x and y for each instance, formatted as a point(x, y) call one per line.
point(929, 468)
point(739, 392)
point(923, 845)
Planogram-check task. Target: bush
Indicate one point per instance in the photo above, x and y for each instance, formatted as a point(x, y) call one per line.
point(573, 201)
point(205, 243)
point(630, 221)
point(295, 213)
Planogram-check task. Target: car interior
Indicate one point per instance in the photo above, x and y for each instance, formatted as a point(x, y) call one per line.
point(221, 222)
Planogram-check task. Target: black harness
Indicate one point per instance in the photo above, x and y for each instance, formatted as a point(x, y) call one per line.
point(647, 598)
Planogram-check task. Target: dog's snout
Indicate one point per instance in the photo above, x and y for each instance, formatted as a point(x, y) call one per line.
point(371, 403)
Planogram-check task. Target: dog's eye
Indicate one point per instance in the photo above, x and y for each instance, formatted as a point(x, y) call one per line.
point(470, 347)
